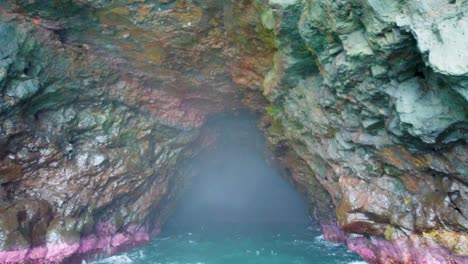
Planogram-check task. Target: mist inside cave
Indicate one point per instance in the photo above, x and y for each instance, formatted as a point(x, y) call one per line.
point(102, 104)
point(238, 208)
point(235, 184)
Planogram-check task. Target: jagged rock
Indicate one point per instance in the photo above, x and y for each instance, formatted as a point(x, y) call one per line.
point(21, 90)
point(8, 42)
point(426, 111)
point(95, 130)
point(355, 45)
point(101, 101)
point(378, 117)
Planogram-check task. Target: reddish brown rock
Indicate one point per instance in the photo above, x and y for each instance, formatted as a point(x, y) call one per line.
point(102, 101)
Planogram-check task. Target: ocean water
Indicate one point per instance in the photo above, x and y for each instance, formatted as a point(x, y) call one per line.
point(233, 244)
point(238, 209)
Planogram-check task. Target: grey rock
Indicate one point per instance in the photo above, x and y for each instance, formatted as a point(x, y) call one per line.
point(439, 27)
point(392, 100)
point(427, 111)
point(23, 89)
point(8, 41)
point(355, 45)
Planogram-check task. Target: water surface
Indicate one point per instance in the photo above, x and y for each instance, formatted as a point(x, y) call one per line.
point(236, 244)
point(238, 210)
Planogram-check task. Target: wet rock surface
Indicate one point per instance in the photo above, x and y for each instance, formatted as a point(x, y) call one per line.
point(97, 114)
point(102, 101)
point(379, 120)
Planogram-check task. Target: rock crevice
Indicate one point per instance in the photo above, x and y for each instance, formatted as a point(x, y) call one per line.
point(363, 101)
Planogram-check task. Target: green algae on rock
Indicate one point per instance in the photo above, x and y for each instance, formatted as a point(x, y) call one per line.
point(102, 101)
point(383, 93)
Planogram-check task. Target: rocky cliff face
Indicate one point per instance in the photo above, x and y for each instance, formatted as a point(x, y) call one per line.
point(103, 101)
point(371, 97)
point(98, 113)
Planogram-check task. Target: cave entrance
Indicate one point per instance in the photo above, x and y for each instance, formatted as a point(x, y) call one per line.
point(237, 209)
point(235, 185)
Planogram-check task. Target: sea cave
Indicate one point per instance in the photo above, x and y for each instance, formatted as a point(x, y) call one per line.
point(217, 132)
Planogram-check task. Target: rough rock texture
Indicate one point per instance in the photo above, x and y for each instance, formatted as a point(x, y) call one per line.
point(98, 114)
point(371, 96)
point(103, 101)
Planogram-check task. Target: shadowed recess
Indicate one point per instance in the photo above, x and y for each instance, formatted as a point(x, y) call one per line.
point(235, 184)
point(238, 208)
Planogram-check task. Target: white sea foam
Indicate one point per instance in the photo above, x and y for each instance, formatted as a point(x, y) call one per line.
point(358, 262)
point(121, 259)
point(311, 228)
point(319, 238)
point(322, 241)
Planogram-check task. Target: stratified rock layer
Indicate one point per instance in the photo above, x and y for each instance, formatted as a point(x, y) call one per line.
point(371, 95)
point(102, 102)
point(97, 116)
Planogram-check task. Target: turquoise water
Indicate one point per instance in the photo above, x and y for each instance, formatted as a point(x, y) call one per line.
point(238, 245)
point(235, 184)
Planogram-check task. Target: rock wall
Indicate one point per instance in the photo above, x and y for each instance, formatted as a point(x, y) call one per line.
point(370, 96)
point(103, 101)
point(98, 114)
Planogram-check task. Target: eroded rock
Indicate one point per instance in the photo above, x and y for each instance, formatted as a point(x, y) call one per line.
point(379, 124)
point(103, 100)
point(98, 110)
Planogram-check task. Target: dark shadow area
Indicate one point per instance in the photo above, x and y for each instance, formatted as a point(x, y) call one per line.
point(235, 184)
point(238, 209)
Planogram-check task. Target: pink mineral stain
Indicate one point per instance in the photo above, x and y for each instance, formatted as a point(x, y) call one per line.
point(141, 237)
point(88, 243)
point(37, 253)
point(120, 239)
point(58, 252)
point(12, 256)
point(333, 232)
